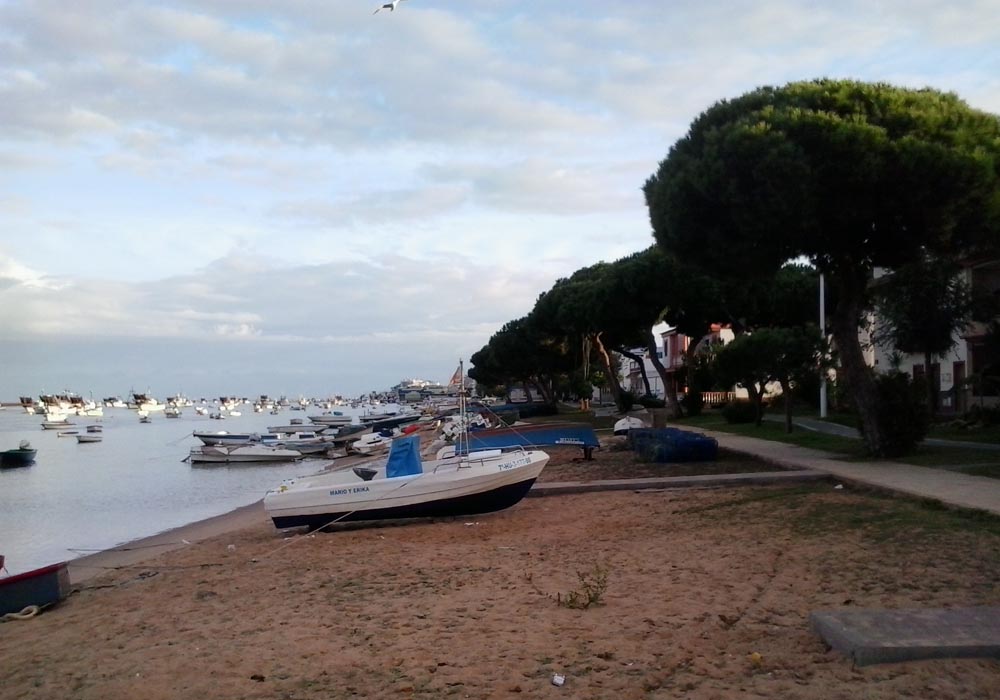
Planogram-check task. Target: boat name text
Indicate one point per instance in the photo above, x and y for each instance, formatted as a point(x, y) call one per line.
point(348, 491)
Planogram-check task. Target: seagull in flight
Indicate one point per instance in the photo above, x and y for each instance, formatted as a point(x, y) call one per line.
point(391, 6)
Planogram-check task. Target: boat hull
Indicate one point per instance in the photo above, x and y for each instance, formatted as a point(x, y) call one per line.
point(479, 483)
point(469, 504)
point(42, 587)
point(17, 458)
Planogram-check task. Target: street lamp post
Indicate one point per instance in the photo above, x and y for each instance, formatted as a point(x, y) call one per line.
point(822, 330)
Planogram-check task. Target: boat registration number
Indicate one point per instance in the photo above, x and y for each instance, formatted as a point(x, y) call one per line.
point(519, 462)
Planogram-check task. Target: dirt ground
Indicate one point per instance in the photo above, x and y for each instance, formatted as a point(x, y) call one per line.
point(685, 586)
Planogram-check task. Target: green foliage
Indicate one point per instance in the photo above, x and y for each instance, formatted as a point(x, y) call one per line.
point(905, 418)
point(693, 402)
point(740, 412)
point(589, 592)
point(849, 175)
point(648, 401)
point(625, 400)
point(921, 306)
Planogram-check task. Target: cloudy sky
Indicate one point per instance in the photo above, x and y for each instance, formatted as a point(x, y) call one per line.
point(304, 197)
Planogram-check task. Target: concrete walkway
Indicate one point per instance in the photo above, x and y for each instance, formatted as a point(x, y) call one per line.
point(948, 487)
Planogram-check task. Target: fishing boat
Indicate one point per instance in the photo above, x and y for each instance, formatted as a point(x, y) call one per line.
point(222, 437)
point(22, 456)
point(536, 435)
point(56, 424)
point(242, 453)
point(467, 482)
point(40, 587)
point(407, 487)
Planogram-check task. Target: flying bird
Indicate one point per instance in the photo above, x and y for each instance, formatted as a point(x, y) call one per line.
point(391, 6)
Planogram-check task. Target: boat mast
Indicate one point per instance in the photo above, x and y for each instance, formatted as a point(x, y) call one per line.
point(463, 435)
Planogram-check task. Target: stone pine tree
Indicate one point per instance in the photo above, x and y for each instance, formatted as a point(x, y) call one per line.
point(848, 175)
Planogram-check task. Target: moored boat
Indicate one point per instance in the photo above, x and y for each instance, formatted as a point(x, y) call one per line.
point(243, 453)
point(89, 437)
point(22, 456)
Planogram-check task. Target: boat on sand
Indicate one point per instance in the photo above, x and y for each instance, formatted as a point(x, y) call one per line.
point(407, 487)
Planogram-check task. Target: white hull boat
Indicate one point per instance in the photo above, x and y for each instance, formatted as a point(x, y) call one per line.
point(406, 487)
point(222, 437)
point(243, 453)
point(89, 437)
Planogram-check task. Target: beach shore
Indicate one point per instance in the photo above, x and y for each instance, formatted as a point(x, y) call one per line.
point(686, 586)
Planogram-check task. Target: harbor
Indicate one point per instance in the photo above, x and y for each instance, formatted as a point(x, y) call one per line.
point(78, 498)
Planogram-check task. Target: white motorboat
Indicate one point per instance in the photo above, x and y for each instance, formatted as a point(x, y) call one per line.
point(222, 437)
point(406, 487)
point(243, 453)
point(172, 412)
point(374, 443)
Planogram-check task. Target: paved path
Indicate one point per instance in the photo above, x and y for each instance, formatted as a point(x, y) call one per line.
point(951, 488)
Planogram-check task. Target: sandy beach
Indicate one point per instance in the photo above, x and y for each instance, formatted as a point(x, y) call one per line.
point(694, 583)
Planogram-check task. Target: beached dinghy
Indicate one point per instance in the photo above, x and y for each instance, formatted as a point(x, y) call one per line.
point(40, 587)
point(406, 487)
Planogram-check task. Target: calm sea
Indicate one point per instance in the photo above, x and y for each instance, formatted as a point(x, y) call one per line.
point(79, 498)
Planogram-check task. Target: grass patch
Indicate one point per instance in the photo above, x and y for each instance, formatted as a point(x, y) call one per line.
point(776, 433)
point(816, 511)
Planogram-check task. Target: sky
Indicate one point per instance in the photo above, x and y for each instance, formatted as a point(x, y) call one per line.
point(309, 198)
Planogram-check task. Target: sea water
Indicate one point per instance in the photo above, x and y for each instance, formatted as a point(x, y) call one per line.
point(79, 498)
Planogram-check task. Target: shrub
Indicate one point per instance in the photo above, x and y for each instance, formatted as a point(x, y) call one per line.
point(693, 402)
point(740, 412)
point(904, 417)
point(625, 400)
point(648, 401)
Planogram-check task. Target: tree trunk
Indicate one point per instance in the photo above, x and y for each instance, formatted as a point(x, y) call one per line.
point(612, 373)
point(786, 389)
point(757, 397)
point(642, 368)
point(544, 389)
point(844, 322)
point(669, 386)
point(931, 389)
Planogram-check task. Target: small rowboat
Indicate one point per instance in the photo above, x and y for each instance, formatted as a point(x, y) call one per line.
point(89, 438)
point(41, 587)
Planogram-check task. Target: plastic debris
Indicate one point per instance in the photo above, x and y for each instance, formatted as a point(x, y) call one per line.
point(231, 548)
point(756, 660)
point(839, 486)
point(558, 679)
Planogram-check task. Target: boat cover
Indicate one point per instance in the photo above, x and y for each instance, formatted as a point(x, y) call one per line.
point(404, 457)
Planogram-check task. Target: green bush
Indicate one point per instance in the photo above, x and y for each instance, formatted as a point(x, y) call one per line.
point(983, 415)
point(693, 403)
point(740, 412)
point(625, 400)
point(903, 414)
point(648, 401)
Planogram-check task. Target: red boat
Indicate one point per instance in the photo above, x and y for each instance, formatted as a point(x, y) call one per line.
point(42, 587)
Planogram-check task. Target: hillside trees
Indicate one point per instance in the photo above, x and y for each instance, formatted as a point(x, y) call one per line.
point(847, 175)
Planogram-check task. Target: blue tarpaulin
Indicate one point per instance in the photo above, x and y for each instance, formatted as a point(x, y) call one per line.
point(404, 457)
